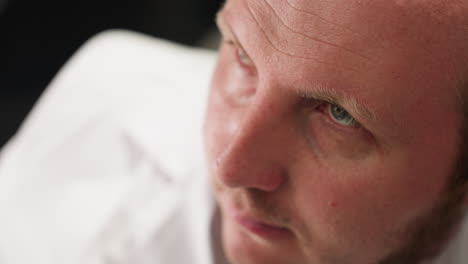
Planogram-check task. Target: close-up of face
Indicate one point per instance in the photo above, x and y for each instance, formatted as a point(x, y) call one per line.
point(333, 129)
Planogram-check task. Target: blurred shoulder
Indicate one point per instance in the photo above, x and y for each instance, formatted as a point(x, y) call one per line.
point(124, 109)
point(111, 75)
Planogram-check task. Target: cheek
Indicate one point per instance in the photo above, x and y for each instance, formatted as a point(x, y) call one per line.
point(337, 218)
point(339, 146)
point(360, 208)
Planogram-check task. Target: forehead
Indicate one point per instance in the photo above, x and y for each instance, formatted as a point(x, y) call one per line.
point(355, 27)
point(389, 54)
point(361, 28)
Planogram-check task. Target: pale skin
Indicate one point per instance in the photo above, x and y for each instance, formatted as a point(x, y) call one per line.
point(333, 187)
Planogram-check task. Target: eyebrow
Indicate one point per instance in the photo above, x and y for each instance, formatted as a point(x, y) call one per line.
point(333, 96)
point(221, 23)
point(226, 29)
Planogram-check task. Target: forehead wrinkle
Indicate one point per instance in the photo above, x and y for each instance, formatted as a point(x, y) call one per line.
point(289, 54)
point(313, 14)
point(314, 38)
point(339, 26)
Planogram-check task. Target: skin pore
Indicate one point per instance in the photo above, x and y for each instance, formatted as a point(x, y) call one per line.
point(333, 129)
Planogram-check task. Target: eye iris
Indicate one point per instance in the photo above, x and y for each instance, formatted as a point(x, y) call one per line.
point(340, 115)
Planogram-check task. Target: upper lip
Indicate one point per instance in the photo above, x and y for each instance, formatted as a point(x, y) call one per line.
point(257, 219)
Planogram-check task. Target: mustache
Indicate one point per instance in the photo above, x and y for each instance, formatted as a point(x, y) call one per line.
point(261, 204)
point(265, 206)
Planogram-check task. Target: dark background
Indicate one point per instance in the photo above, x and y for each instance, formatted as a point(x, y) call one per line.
point(37, 37)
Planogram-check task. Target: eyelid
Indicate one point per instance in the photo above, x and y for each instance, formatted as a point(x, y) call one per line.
point(248, 65)
point(358, 110)
point(317, 100)
point(323, 108)
point(353, 122)
point(230, 38)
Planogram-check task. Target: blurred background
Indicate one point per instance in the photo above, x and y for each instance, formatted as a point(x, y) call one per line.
point(38, 36)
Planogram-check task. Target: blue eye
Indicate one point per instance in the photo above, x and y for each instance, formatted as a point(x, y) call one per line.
point(341, 116)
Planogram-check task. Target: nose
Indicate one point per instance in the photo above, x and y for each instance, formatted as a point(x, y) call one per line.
point(253, 158)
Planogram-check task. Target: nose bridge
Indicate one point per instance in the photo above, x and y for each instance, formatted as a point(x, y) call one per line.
point(260, 121)
point(252, 157)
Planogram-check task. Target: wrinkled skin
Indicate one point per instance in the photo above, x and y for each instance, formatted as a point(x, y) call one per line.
point(330, 191)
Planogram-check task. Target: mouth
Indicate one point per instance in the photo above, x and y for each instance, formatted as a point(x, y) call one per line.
point(261, 228)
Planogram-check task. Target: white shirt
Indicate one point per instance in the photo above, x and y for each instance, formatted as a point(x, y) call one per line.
point(109, 167)
point(110, 158)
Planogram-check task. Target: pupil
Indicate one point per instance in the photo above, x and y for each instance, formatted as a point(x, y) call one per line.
point(338, 112)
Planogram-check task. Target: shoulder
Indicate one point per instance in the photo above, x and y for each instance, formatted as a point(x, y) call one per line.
point(112, 70)
point(121, 107)
point(117, 80)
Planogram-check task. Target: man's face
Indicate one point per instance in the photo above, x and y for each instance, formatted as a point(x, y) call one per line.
point(331, 128)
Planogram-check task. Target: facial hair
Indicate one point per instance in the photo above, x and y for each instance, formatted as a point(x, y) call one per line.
point(423, 239)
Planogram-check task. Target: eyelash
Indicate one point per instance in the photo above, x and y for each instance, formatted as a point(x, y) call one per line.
point(323, 108)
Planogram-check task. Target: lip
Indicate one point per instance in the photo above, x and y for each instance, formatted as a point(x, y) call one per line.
point(262, 229)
